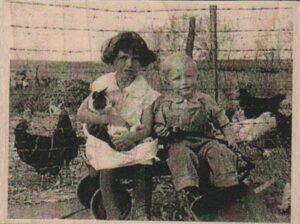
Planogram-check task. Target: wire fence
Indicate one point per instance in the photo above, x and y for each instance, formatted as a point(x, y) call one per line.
point(175, 30)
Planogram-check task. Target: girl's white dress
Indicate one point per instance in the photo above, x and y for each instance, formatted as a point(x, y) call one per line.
point(135, 98)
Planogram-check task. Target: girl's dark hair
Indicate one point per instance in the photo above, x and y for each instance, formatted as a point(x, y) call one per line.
point(127, 41)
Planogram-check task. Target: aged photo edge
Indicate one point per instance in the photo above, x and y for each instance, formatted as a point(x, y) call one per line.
point(4, 121)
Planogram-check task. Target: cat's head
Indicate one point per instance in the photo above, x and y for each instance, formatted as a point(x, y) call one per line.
point(99, 99)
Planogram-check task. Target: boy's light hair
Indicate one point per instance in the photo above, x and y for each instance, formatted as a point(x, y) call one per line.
point(179, 61)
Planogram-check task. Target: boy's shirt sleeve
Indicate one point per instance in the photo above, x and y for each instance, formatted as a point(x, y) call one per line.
point(159, 117)
point(217, 114)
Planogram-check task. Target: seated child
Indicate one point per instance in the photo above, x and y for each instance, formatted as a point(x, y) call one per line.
point(184, 120)
point(114, 162)
point(128, 53)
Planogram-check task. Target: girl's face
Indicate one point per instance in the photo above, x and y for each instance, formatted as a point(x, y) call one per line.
point(127, 65)
point(183, 79)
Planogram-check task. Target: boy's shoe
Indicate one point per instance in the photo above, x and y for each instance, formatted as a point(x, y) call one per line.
point(198, 204)
point(219, 198)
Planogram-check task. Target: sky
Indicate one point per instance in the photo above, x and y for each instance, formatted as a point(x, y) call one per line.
point(76, 30)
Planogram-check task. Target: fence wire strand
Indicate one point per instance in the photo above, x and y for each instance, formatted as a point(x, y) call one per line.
point(148, 10)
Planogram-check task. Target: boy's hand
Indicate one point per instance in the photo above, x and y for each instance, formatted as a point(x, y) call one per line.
point(125, 146)
point(164, 132)
point(233, 145)
point(229, 137)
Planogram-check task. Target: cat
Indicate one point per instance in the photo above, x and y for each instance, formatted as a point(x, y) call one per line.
point(99, 102)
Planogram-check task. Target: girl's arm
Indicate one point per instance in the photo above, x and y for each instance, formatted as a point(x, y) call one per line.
point(127, 140)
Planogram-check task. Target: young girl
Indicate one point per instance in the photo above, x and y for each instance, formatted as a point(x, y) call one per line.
point(127, 52)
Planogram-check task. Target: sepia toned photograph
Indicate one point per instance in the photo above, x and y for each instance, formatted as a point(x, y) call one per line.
point(150, 111)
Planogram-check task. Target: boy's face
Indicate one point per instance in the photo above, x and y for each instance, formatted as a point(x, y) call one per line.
point(183, 79)
point(127, 64)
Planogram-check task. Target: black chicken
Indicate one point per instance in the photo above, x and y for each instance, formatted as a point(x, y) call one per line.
point(253, 106)
point(47, 154)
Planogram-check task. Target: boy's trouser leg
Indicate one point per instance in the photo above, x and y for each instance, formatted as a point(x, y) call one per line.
point(142, 192)
point(221, 162)
point(191, 164)
point(111, 190)
point(183, 164)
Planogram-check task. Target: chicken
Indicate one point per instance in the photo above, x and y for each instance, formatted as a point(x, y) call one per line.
point(250, 130)
point(254, 118)
point(253, 106)
point(47, 154)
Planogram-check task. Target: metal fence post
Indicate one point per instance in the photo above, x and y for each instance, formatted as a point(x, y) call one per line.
point(214, 47)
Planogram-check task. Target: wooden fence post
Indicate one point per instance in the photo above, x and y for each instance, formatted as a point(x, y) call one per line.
point(214, 47)
point(191, 37)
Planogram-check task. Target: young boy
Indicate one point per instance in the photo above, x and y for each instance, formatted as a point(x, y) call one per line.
point(184, 119)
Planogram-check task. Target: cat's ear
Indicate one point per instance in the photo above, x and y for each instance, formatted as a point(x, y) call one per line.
point(95, 94)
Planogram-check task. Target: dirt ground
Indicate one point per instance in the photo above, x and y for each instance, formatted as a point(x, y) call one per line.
point(55, 197)
point(49, 210)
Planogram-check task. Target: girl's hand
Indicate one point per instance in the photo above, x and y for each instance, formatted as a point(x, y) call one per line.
point(123, 139)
